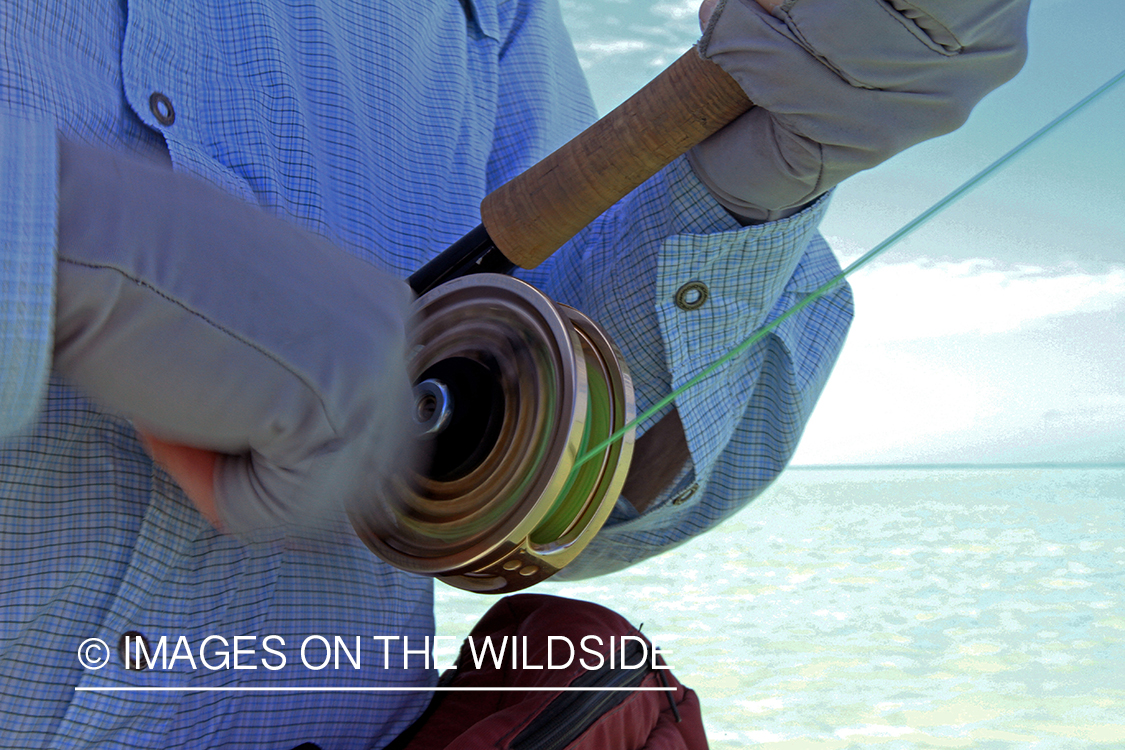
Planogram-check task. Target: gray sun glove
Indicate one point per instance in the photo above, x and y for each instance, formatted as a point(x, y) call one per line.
point(213, 324)
point(842, 85)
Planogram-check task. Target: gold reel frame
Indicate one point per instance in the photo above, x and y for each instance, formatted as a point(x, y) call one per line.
point(524, 511)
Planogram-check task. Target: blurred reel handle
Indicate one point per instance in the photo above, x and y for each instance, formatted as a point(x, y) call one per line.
point(532, 215)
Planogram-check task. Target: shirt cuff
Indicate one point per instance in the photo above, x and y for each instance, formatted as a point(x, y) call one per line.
point(28, 207)
point(715, 284)
point(714, 292)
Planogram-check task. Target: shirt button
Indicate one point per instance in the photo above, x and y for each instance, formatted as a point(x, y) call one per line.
point(129, 652)
point(684, 496)
point(692, 295)
point(161, 107)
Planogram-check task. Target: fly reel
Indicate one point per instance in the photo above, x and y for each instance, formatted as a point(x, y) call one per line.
point(510, 390)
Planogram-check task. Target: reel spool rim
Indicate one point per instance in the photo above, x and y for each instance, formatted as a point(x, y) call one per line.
point(617, 456)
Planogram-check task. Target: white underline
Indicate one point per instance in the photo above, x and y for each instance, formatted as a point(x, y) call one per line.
point(369, 689)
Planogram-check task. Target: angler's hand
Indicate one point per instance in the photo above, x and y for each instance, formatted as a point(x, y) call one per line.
point(211, 324)
point(842, 85)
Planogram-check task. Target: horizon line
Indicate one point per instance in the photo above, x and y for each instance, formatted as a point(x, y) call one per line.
point(965, 465)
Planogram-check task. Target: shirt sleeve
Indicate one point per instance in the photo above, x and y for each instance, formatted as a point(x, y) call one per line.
point(630, 271)
point(742, 422)
point(28, 190)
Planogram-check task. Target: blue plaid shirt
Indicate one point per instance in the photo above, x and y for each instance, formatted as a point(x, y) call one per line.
point(381, 126)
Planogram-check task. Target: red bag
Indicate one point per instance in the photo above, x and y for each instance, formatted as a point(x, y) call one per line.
point(554, 720)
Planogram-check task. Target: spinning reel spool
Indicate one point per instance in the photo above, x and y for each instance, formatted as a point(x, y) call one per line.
point(510, 390)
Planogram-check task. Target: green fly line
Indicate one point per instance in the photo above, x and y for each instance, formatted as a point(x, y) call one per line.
point(879, 249)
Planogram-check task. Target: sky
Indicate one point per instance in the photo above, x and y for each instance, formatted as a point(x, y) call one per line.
point(996, 332)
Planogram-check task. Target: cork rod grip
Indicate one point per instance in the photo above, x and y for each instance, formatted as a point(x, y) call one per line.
point(532, 215)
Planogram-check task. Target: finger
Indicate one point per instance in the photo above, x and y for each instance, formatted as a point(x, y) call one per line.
point(758, 169)
point(705, 11)
point(193, 469)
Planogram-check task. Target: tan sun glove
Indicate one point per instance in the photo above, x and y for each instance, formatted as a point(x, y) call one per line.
point(212, 324)
point(842, 85)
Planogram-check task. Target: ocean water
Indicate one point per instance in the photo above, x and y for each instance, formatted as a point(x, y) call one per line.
point(898, 608)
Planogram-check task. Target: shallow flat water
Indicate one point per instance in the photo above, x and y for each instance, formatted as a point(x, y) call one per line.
point(904, 608)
